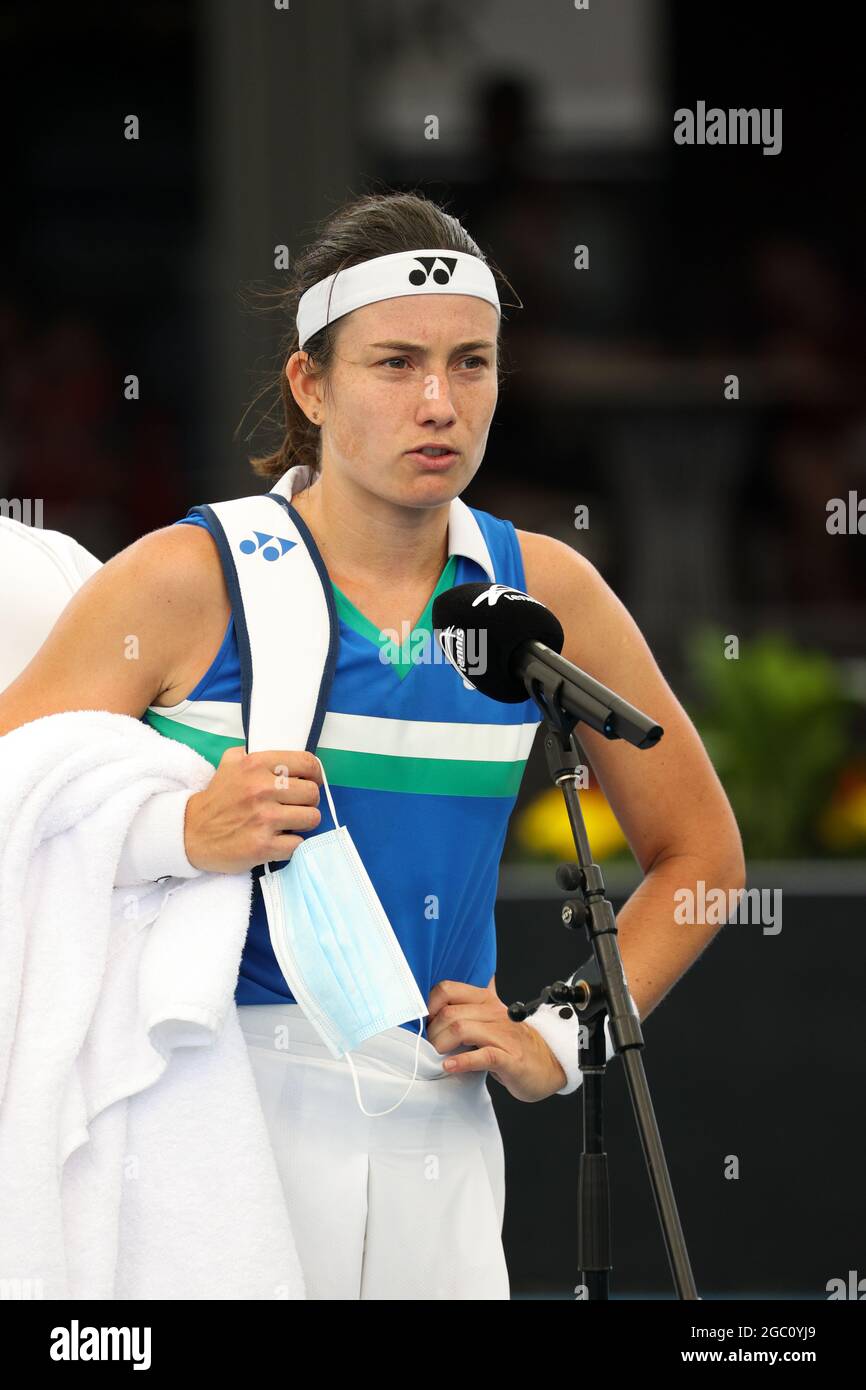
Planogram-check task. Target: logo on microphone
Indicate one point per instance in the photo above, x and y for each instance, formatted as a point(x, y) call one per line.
point(453, 641)
point(441, 275)
point(492, 596)
point(456, 643)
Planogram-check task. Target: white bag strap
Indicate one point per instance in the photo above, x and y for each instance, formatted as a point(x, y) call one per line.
point(285, 617)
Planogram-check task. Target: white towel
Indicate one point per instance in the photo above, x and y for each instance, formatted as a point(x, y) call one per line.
point(134, 1156)
point(40, 570)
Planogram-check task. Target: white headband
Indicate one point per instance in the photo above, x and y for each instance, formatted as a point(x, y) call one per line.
point(387, 277)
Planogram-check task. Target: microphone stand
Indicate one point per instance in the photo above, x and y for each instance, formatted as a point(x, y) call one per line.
point(597, 989)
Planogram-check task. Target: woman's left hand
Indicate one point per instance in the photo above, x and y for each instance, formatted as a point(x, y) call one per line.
point(516, 1055)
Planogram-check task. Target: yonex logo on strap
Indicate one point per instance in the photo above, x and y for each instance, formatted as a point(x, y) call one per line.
point(441, 277)
point(263, 543)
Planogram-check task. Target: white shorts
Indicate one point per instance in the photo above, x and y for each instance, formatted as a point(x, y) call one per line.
point(401, 1206)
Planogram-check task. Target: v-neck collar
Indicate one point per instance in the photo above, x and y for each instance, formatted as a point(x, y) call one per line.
point(465, 537)
point(358, 622)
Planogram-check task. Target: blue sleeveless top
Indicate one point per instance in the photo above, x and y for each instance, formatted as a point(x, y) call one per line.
point(423, 771)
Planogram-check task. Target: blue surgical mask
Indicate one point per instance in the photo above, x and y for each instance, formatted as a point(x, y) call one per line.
point(336, 948)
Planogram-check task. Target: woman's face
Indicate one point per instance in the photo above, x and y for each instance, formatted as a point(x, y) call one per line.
point(418, 369)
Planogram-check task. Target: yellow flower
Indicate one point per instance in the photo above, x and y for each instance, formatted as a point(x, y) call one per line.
point(842, 824)
point(543, 829)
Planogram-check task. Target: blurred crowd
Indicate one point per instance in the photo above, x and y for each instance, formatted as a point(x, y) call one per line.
point(107, 468)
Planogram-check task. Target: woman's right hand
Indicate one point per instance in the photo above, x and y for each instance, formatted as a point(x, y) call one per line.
point(239, 819)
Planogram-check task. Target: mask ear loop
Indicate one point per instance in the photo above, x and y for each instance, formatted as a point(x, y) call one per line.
point(328, 794)
point(373, 1113)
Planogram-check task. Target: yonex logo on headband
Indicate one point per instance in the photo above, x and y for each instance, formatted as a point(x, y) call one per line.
point(442, 277)
point(425, 270)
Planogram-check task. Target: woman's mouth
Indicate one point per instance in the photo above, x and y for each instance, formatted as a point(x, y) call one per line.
point(434, 458)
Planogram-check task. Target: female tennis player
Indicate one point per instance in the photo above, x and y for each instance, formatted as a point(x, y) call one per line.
point(389, 384)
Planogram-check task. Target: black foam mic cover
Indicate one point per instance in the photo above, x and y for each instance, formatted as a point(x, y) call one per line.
point(482, 626)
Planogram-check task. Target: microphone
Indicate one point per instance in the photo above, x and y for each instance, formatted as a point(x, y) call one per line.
point(497, 638)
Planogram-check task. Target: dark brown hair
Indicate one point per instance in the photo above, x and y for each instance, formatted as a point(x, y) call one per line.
point(373, 224)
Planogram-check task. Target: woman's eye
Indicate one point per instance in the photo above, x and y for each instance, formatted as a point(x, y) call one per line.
point(387, 361)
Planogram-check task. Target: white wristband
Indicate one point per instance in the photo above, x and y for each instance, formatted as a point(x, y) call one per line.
point(559, 1025)
point(154, 847)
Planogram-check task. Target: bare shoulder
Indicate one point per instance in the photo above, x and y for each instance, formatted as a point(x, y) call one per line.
point(172, 572)
point(183, 567)
point(180, 570)
point(555, 571)
point(191, 548)
point(182, 562)
point(600, 634)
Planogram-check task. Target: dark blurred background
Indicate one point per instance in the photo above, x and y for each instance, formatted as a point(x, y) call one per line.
point(708, 516)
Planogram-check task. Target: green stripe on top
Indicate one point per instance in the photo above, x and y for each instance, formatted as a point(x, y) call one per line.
point(355, 619)
point(422, 756)
point(210, 745)
point(378, 754)
point(433, 776)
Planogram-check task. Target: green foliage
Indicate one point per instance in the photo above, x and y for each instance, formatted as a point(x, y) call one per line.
point(775, 724)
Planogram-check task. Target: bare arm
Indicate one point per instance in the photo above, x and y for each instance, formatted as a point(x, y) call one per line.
point(674, 813)
point(668, 799)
